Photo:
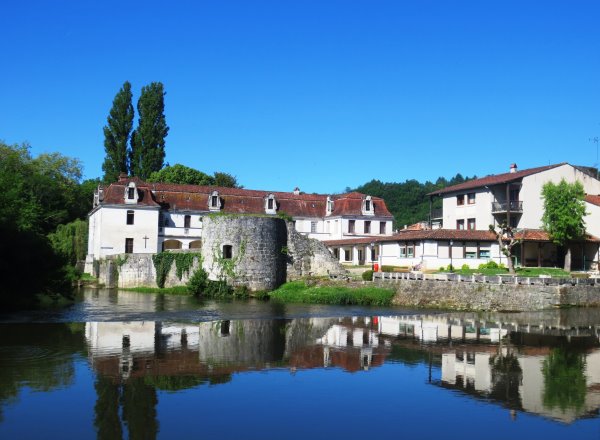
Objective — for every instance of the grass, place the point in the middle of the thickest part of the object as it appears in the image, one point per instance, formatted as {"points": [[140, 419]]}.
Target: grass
{"points": [[522, 272], [299, 292], [177, 290]]}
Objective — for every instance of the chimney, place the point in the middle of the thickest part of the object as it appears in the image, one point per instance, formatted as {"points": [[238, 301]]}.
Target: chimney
{"points": [[296, 191], [513, 167]]}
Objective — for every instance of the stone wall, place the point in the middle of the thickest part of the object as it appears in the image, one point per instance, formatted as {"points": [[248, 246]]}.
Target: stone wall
{"points": [[488, 297], [258, 246], [138, 271], [307, 256]]}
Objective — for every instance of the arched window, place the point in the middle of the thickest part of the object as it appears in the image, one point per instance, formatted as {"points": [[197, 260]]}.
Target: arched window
{"points": [[130, 217], [171, 244], [227, 252]]}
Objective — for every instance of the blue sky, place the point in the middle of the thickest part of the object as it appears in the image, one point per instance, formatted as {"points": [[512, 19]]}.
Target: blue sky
{"points": [[316, 94]]}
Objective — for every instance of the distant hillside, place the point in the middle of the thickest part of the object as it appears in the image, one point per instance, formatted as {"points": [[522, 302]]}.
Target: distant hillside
{"points": [[408, 201]]}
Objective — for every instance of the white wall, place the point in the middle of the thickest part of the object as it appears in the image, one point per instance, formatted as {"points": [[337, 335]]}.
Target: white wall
{"points": [[432, 254], [531, 191], [109, 229], [481, 210], [592, 219]]}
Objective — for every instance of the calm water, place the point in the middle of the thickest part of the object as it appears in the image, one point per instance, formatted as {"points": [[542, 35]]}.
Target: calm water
{"points": [[126, 365]]}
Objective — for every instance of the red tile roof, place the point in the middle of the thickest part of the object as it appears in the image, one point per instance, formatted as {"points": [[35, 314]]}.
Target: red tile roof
{"points": [[494, 179], [239, 200], [115, 193], [540, 235], [594, 200]]}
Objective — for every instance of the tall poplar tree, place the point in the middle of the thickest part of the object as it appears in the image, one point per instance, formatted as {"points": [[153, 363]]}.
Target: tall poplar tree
{"points": [[116, 134], [148, 139]]}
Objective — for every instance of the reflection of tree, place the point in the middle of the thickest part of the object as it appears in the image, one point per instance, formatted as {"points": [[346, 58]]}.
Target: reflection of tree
{"points": [[507, 376], [38, 356], [107, 420], [564, 379], [139, 409]]}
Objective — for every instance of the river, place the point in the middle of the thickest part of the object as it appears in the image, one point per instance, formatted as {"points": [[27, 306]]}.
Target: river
{"points": [[130, 365]]}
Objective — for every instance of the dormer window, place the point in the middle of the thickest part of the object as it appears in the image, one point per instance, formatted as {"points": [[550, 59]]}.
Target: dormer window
{"points": [[270, 204], [368, 206], [131, 193], [329, 205], [214, 201]]}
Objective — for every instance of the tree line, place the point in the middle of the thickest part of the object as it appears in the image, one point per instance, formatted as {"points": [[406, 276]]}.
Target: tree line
{"points": [[408, 201]]}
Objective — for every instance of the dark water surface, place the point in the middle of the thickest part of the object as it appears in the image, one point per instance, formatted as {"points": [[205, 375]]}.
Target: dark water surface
{"points": [[128, 365]]}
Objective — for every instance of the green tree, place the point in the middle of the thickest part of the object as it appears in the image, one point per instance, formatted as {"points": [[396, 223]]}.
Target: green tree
{"points": [[116, 135], [408, 201], [70, 240], [38, 193], [36, 196], [564, 210], [148, 139], [182, 175], [226, 180]]}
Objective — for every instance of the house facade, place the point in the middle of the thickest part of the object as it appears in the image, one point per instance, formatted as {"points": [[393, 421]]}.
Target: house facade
{"points": [[458, 234], [133, 216], [514, 198]]}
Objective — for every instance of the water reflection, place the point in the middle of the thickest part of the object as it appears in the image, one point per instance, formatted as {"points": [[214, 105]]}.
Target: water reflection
{"points": [[554, 372], [544, 367]]}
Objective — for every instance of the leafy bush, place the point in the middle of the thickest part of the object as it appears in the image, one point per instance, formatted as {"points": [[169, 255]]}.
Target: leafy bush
{"points": [[200, 285], [465, 267], [450, 268], [442, 268], [489, 265], [198, 282], [367, 275]]}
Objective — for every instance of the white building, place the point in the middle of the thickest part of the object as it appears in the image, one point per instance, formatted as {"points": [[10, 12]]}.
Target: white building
{"points": [[132, 216], [459, 233], [513, 197]]}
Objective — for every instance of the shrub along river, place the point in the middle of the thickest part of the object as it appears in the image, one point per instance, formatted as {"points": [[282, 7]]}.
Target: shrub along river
{"points": [[131, 365]]}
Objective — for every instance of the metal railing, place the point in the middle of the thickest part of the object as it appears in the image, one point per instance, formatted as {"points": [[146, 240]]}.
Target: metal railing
{"points": [[486, 279]]}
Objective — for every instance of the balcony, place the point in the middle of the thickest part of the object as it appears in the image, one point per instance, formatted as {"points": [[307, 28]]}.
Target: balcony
{"points": [[512, 206]]}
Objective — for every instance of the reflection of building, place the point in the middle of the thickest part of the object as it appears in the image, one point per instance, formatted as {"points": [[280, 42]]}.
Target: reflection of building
{"points": [[516, 379], [124, 350], [434, 328]]}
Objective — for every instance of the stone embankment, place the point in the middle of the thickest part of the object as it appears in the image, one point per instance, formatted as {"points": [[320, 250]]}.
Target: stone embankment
{"points": [[487, 293]]}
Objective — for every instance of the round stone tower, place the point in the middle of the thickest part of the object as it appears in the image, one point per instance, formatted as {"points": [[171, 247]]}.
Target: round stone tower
{"points": [[247, 251]]}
